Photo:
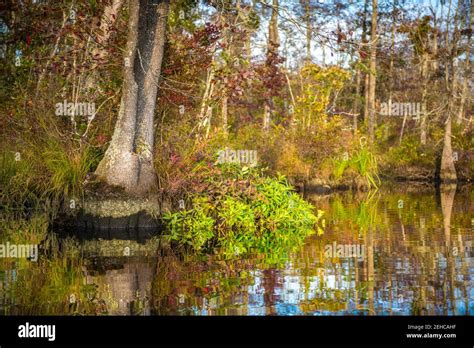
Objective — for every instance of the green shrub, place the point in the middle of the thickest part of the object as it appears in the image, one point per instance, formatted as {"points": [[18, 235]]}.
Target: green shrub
{"points": [[242, 212]]}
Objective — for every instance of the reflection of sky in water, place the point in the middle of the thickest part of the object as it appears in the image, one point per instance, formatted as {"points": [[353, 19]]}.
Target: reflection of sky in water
{"points": [[256, 291], [393, 294], [395, 300]]}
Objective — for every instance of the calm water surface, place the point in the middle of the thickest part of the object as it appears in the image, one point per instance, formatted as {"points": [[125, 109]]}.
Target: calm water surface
{"points": [[398, 251]]}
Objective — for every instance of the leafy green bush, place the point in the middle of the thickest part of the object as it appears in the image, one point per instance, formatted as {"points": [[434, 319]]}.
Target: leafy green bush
{"points": [[242, 212], [192, 227]]}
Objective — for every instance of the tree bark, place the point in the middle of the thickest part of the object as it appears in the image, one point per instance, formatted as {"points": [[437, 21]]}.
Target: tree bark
{"points": [[373, 71], [205, 113], [250, 31], [273, 37], [224, 113], [447, 171], [355, 108], [273, 43], [107, 22], [467, 69], [128, 162], [424, 79], [309, 30], [364, 60]]}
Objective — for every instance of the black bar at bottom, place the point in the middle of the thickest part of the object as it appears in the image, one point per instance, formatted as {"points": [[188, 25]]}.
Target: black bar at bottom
{"points": [[243, 331]]}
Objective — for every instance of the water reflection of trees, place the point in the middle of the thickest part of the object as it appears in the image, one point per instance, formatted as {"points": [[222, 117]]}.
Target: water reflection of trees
{"points": [[411, 264], [416, 262]]}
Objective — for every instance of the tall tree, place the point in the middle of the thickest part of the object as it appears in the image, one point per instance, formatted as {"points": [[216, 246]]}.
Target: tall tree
{"points": [[365, 61], [467, 65], [272, 50], [373, 70], [448, 170], [128, 161], [309, 28]]}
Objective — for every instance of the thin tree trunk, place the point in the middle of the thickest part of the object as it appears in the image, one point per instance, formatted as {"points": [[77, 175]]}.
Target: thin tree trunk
{"points": [[355, 108], [293, 101], [373, 71], [273, 43], [403, 128], [250, 31], [207, 94], [392, 54], [99, 50], [424, 79], [366, 75], [467, 69], [206, 109], [366, 98], [266, 116], [54, 50], [309, 30], [224, 113]]}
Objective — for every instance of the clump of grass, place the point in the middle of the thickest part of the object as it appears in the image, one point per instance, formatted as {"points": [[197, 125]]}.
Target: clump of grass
{"points": [[66, 168], [16, 181], [45, 170], [362, 163], [365, 162]]}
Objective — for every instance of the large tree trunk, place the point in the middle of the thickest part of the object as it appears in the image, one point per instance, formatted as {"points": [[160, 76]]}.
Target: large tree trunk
{"points": [[128, 162], [448, 170], [373, 68]]}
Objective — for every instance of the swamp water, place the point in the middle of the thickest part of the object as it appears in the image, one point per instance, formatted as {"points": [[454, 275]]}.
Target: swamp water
{"points": [[400, 250]]}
